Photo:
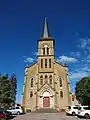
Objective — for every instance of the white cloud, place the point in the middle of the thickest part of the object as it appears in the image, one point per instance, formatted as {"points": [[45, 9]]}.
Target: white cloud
{"points": [[86, 68], [86, 59], [78, 75], [35, 53], [81, 68], [66, 59], [77, 54], [85, 44], [28, 60]]}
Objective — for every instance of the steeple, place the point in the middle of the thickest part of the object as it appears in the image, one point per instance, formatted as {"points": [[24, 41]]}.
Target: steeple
{"points": [[45, 34]]}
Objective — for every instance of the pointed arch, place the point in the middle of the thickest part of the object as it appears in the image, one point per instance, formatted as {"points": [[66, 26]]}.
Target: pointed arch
{"points": [[46, 90]]}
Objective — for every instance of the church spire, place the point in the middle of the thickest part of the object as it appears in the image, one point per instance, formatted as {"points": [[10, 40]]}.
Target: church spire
{"points": [[45, 30]]}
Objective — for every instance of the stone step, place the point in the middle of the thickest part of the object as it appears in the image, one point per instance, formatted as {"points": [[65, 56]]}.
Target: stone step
{"points": [[46, 110]]}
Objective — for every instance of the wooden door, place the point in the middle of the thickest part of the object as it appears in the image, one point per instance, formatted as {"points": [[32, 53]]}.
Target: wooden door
{"points": [[46, 102]]}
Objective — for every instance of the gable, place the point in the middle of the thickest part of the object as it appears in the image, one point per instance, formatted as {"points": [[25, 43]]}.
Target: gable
{"points": [[46, 87]]}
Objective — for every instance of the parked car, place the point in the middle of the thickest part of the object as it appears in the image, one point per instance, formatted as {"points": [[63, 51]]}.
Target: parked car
{"points": [[7, 113], [16, 110], [72, 110], [84, 111], [2, 116]]}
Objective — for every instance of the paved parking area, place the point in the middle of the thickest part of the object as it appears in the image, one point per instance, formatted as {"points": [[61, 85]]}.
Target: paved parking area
{"points": [[46, 116]]}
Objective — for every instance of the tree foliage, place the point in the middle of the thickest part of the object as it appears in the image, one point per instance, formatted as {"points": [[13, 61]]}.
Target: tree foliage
{"points": [[7, 90], [82, 91], [13, 81]]}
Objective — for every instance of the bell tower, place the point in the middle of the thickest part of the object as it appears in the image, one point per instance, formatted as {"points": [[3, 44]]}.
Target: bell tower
{"points": [[45, 50]]}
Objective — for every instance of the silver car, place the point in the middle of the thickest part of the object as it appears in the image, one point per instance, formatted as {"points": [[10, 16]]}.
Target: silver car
{"points": [[16, 110]]}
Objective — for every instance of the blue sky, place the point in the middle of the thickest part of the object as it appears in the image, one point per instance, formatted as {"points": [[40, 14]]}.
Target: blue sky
{"points": [[21, 24]]}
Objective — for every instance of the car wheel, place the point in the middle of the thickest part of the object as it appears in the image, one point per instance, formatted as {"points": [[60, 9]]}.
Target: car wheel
{"points": [[73, 113], [67, 114], [18, 113], [87, 116]]}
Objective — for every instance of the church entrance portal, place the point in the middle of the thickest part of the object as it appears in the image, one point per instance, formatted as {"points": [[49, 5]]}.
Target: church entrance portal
{"points": [[46, 99], [46, 102]]}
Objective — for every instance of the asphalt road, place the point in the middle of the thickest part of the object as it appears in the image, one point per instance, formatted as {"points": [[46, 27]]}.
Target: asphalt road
{"points": [[46, 116]]}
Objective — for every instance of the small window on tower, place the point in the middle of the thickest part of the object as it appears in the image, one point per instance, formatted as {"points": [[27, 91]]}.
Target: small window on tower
{"points": [[45, 63], [46, 78], [50, 79], [31, 94], [49, 63], [61, 94], [60, 82], [41, 63], [47, 51], [41, 80], [44, 51], [32, 82]]}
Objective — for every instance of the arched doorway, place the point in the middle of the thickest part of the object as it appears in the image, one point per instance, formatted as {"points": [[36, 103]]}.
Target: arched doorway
{"points": [[46, 99]]}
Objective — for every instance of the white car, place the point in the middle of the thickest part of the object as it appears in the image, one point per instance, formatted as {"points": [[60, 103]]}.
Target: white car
{"points": [[16, 110], [84, 111], [72, 110]]}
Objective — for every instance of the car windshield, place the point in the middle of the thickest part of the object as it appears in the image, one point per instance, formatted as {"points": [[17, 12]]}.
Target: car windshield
{"points": [[10, 108], [75, 107], [79, 108]]}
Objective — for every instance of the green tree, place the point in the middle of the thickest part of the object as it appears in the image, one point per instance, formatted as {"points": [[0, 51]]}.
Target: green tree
{"points": [[8, 88], [5, 91], [13, 81], [82, 91]]}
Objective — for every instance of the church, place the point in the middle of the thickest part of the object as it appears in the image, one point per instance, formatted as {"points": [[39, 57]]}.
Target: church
{"points": [[46, 83]]}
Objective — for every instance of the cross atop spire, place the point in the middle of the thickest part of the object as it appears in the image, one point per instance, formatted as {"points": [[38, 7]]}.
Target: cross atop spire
{"points": [[45, 30]]}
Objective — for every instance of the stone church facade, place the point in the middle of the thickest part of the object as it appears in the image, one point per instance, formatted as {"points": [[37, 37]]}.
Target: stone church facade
{"points": [[46, 83]]}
